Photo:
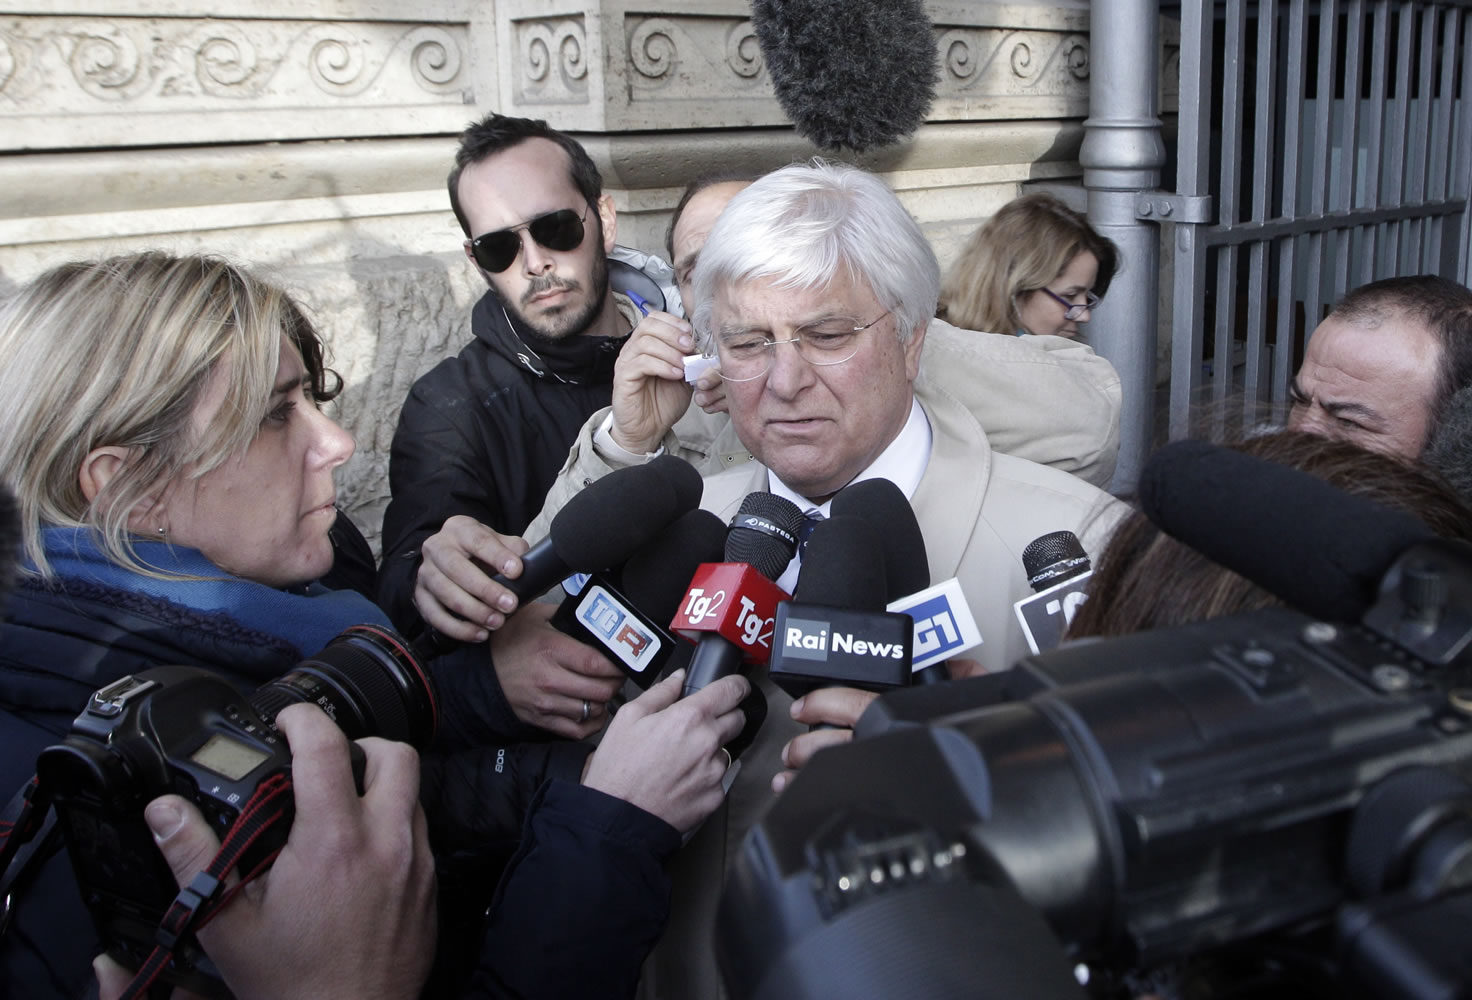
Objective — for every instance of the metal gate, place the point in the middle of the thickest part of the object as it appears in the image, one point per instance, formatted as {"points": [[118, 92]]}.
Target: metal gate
{"points": [[1335, 143]]}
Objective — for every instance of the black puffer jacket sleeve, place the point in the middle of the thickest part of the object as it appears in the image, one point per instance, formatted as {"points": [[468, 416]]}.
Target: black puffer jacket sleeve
{"points": [[582, 903], [477, 799], [437, 470], [473, 710]]}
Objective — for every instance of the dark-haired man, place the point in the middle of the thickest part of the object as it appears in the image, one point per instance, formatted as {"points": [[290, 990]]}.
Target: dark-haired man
{"points": [[1382, 368], [482, 435]]}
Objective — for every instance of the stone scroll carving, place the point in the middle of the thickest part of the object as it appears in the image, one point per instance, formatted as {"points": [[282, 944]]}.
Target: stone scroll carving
{"points": [[695, 58], [1003, 62], [551, 60], [162, 66], [611, 65]]}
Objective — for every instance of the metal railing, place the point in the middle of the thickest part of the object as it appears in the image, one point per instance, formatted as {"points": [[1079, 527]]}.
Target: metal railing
{"points": [[1335, 140]]}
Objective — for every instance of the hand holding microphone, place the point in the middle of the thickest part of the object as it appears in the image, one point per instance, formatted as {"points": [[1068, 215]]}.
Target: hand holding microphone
{"points": [[625, 614], [664, 753], [598, 528]]}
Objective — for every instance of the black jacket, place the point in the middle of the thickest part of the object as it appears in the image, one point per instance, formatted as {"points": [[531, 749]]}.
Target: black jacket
{"points": [[486, 432], [56, 648]]}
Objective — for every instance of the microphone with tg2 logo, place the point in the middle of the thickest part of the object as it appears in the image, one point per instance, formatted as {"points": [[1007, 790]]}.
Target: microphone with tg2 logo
{"points": [[729, 607]]}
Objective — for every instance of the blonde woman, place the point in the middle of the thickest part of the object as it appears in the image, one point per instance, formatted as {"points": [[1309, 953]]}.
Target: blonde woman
{"points": [[1036, 267], [159, 425]]}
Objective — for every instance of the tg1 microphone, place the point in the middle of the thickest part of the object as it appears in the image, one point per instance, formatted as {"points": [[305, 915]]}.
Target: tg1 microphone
{"points": [[835, 631], [1058, 570], [729, 607]]}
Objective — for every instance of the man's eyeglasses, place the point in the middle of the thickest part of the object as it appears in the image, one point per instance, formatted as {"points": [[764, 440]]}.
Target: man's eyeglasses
{"points": [[747, 354], [1073, 311], [561, 230]]}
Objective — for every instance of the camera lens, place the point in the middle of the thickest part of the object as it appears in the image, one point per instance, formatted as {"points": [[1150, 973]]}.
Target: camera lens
{"points": [[367, 681]]}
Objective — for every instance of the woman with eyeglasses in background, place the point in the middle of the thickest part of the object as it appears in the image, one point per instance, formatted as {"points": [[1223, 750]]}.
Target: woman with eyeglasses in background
{"points": [[1036, 267]]}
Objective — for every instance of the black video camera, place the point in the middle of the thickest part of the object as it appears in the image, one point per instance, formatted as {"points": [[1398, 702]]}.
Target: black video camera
{"points": [[1261, 805], [186, 731]]}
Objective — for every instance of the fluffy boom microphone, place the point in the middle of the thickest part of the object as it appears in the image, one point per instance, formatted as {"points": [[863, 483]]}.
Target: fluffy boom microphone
{"points": [[1315, 547], [853, 74]]}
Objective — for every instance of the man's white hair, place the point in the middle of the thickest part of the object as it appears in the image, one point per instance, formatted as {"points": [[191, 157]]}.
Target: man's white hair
{"points": [[799, 225]]}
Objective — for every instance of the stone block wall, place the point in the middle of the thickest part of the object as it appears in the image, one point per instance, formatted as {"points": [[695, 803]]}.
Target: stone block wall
{"points": [[311, 138]]}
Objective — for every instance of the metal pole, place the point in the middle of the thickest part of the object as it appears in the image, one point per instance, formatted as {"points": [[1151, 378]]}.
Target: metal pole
{"points": [[1122, 155]]}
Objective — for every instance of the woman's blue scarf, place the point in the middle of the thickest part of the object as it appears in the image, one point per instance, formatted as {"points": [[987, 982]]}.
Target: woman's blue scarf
{"points": [[308, 619]]}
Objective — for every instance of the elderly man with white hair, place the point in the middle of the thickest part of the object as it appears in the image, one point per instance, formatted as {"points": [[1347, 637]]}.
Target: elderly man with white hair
{"points": [[816, 289]]}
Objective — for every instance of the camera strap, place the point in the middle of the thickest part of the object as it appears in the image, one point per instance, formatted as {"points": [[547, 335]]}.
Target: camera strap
{"points": [[28, 837], [205, 895]]}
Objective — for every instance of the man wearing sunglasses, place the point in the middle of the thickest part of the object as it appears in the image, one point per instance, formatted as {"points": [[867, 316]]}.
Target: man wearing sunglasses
{"points": [[816, 291], [482, 435]]}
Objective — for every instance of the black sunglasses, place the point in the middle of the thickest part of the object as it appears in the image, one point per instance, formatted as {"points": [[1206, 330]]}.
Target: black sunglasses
{"points": [[561, 230]]}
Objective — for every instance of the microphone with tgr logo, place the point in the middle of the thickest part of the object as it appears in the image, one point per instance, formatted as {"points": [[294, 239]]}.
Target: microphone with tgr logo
{"points": [[1058, 570], [729, 606], [625, 619]]}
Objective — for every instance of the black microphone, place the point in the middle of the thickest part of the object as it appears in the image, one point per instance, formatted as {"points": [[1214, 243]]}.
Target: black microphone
{"points": [[627, 618], [608, 521], [1058, 570], [906, 566], [849, 73], [1053, 558], [835, 631], [733, 603], [1315, 547], [884, 505], [599, 527]]}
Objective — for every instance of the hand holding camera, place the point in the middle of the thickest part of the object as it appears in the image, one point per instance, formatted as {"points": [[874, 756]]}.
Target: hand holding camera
{"points": [[347, 910]]}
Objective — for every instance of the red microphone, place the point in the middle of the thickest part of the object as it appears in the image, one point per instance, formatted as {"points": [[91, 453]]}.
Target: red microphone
{"points": [[730, 607], [734, 601]]}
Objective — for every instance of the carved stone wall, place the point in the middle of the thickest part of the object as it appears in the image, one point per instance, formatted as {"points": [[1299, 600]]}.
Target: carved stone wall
{"points": [[311, 138]]}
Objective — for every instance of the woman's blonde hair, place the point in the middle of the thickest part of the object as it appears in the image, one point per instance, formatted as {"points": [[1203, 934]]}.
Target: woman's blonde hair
{"points": [[117, 353], [1024, 246]]}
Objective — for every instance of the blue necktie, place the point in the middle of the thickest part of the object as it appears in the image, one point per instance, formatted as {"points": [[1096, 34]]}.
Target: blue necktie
{"points": [[810, 520]]}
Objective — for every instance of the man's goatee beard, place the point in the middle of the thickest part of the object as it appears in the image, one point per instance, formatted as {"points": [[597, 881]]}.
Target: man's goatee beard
{"points": [[565, 324]]}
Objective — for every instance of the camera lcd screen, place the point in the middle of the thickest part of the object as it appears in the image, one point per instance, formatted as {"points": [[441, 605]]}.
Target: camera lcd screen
{"points": [[227, 757]]}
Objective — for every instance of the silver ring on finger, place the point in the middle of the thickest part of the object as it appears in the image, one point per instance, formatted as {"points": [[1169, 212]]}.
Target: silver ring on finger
{"points": [[587, 711]]}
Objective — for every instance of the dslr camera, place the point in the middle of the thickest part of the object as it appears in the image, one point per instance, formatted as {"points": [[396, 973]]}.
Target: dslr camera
{"points": [[186, 731]]}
